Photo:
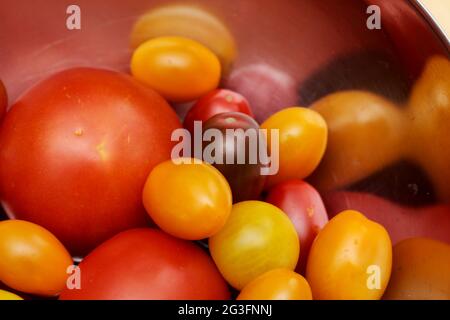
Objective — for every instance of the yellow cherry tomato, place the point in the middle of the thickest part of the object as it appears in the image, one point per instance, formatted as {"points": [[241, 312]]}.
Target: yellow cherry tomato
{"points": [[351, 258], [187, 200], [5, 295], [178, 68], [420, 271], [32, 260], [278, 284], [257, 238], [302, 142]]}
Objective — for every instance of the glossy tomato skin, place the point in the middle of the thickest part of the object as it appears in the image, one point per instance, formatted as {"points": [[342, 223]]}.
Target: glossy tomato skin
{"points": [[277, 284], [304, 206], [257, 238], [420, 270], [75, 152], [3, 100], [215, 102], [350, 259], [190, 201], [245, 179], [32, 259], [149, 264]]}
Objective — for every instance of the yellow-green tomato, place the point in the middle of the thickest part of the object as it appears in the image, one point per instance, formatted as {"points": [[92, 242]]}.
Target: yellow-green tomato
{"points": [[180, 69], [5, 295], [350, 258], [258, 237]]}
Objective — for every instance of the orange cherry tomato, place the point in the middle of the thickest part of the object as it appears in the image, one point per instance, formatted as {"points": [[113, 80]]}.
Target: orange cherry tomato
{"points": [[32, 260], [277, 284], [5, 295], [257, 238], [420, 271], [180, 69], [302, 142], [351, 258], [188, 200]]}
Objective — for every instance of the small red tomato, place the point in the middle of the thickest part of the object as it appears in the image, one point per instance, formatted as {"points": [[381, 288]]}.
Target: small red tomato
{"points": [[215, 102], [3, 100], [304, 206]]}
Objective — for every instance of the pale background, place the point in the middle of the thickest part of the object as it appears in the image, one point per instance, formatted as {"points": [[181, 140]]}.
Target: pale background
{"points": [[440, 9]]}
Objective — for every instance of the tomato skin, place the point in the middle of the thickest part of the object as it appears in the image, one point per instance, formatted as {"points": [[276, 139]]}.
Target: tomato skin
{"points": [[180, 69], [32, 260], [146, 264], [245, 179], [420, 271], [5, 295], [340, 257], [3, 100], [75, 152], [201, 205], [213, 103], [304, 206], [257, 238], [277, 284], [302, 142]]}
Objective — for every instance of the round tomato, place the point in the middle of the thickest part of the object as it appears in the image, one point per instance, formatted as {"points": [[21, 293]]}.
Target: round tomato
{"points": [[277, 284], [351, 259], [5, 295], [148, 264], [420, 271], [32, 260], [75, 152], [187, 200], [215, 102], [257, 238], [3, 100], [244, 171], [303, 205], [302, 142], [178, 68]]}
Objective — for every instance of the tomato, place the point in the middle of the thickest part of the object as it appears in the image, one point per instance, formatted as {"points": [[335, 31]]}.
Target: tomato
{"points": [[350, 259], [215, 102], [5, 295], [257, 238], [420, 271], [189, 201], [3, 100], [178, 68], [302, 142], [32, 260], [277, 284], [75, 152], [304, 206], [243, 172], [148, 264]]}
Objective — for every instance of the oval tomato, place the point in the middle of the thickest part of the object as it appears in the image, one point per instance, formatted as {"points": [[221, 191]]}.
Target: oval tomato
{"points": [[178, 68], [148, 264], [3, 100], [191, 201], [257, 238], [304, 206], [420, 271], [239, 160], [75, 152], [302, 142], [277, 284], [351, 258], [32, 260], [215, 102]]}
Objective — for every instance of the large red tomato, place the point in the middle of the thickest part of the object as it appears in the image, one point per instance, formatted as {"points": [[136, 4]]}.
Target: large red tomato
{"points": [[75, 152], [148, 264], [3, 100]]}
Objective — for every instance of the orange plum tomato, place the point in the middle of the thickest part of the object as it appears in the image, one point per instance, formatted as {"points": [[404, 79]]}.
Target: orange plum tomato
{"points": [[304, 206], [257, 238], [188, 200], [32, 260], [350, 259], [148, 264], [180, 69], [302, 142], [277, 284]]}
